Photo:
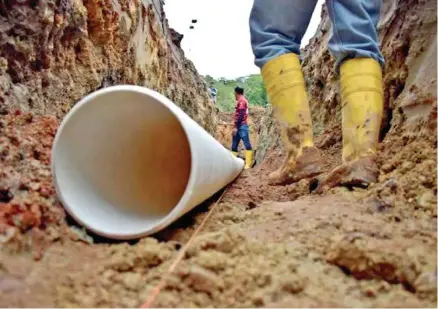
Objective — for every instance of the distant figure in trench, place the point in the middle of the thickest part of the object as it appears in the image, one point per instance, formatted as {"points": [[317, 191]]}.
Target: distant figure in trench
{"points": [[241, 129], [277, 28], [213, 93]]}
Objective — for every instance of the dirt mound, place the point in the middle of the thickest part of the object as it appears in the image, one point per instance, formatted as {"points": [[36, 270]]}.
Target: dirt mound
{"points": [[315, 252]]}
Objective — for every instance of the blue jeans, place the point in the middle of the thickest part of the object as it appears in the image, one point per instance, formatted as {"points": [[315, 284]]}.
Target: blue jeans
{"points": [[242, 134], [277, 27]]}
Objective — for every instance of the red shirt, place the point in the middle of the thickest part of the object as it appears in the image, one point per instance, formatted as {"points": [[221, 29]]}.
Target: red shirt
{"points": [[242, 111]]}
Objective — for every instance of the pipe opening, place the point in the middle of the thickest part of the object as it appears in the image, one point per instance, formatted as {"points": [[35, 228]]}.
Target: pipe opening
{"points": [[122, 163]]}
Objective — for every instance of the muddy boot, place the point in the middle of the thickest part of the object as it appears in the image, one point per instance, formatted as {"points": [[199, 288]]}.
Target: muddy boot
{"points": [[358, 173], [362, 108], [308, 164], [284, 83]]}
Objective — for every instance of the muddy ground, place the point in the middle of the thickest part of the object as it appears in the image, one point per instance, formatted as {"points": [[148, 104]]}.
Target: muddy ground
{"points": [[263, 246]]}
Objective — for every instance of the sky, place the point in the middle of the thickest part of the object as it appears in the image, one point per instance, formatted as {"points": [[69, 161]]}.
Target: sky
{"points": [[219, 45]]}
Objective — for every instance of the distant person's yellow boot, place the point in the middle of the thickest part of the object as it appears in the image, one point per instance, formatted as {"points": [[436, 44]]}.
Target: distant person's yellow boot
{"points": [[362, 109], [248, 159], [284, 84]]}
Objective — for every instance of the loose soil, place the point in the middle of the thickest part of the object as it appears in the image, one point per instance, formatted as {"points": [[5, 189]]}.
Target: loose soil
{"points": [[263, 246]]}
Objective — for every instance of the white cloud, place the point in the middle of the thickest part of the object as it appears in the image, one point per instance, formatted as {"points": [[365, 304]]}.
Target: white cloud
{"points": [[220, 43]]}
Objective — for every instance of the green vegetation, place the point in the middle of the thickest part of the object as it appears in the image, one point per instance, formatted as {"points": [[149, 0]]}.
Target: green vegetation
{"points": [[255, 91]]}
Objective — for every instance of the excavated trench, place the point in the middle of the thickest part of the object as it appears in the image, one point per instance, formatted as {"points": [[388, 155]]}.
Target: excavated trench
{"points": [[263, 246]]}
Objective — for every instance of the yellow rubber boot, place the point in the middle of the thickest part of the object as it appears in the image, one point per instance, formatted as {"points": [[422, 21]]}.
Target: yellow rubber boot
{"points": [[235, 153], [284, 84], [362, 101], [362, 109], [248, 158]]}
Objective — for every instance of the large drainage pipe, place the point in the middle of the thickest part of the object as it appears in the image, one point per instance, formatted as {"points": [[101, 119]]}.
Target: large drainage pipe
{"points": [[127, 162]]}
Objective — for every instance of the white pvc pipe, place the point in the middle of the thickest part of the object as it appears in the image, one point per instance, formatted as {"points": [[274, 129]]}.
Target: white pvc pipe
{"points": [[127, 162]]}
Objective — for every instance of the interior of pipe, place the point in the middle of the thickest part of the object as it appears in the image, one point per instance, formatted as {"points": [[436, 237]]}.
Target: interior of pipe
{"points": [[122, 163]]}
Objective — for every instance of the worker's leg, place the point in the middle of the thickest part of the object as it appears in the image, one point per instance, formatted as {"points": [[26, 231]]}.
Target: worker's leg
{"points": [[244, 135], [354, 29], [277, 27], [354, 43], [235, 144]]}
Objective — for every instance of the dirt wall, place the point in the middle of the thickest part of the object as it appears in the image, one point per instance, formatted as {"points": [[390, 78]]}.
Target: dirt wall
{"points": [[52, 53]]}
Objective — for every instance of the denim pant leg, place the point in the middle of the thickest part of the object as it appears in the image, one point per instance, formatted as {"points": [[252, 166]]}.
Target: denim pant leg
{"points": [[235, 142], [354, 29], [244, 135], [277, 27]]}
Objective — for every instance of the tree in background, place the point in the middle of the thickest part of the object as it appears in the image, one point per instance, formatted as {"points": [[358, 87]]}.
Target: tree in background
{"points": [[255, 91]]}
